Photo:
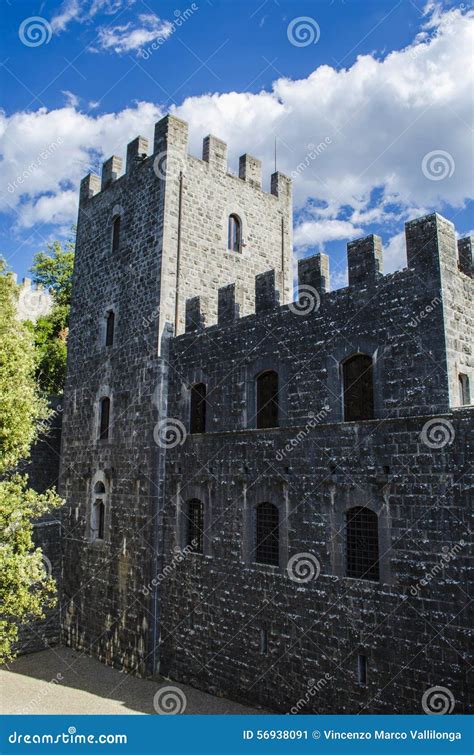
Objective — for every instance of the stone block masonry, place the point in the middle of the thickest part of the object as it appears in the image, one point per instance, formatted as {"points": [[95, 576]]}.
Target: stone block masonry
{"points": [[195, 265]]}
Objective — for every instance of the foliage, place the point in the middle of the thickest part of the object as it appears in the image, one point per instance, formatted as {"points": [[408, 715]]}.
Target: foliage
{"points": [[53, 270], [20, 406], [25, 588], [26, 585]]}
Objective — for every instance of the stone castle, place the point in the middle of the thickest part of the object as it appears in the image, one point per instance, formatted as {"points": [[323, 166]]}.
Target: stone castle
{"points": [[265, 498]]}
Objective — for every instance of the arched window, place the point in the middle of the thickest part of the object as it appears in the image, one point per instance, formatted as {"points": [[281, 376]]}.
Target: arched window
{"points": [[267, 534], [362, 543], [195, 525], [115, 233], [109, 327], [357, 374], [267, 399], [104, 418], [464, 390], [98, 512], [198, 409], [234, 242]]}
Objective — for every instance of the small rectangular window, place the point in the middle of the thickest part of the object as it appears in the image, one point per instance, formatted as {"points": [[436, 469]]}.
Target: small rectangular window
{"points": [[362, 669], [104, 418], [116, 233], [464, 390], [109, 330], [263, 641], [198, 409]]}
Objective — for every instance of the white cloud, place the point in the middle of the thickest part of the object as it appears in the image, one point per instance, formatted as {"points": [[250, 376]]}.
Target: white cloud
{"points": [[84, 10], [132, 36], [317, 232], [72, 100], [382, 117]]}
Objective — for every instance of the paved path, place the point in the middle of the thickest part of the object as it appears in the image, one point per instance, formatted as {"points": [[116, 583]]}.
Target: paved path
{"points": [[63, 681]]}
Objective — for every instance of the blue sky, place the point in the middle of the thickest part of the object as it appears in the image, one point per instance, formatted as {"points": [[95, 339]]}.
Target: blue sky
{"points": [[373, 98]]}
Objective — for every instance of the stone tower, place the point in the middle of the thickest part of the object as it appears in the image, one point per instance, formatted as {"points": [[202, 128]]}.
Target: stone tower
{"points": [[147, 241]]}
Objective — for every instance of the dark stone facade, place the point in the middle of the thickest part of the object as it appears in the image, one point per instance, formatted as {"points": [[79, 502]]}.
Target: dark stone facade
{"points": [[137, 597]]}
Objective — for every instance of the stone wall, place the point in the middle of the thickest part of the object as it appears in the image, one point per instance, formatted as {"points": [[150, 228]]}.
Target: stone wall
{"points": [[412, 465], [145, 281]]}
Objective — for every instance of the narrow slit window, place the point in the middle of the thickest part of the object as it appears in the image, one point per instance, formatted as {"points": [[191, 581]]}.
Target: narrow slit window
{"points": [[362, 669], [267, 535], [98, 512], [104, 418], [115, 233], [263, 641], [267, 399], [358, 388], [109, 328], [195, 525], [234, 241], [198, 408], [464, 390]]}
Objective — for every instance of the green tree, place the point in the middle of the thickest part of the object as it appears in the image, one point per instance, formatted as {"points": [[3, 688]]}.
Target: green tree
{"points": [[26, 587], [21, 409], [53, 269]]}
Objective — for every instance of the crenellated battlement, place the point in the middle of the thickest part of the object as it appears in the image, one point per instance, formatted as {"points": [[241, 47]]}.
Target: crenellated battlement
{"points": [[430, 244], [169, 157]]}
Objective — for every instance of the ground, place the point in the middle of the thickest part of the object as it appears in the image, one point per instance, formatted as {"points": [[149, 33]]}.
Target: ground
{"points": [[62, 681]]}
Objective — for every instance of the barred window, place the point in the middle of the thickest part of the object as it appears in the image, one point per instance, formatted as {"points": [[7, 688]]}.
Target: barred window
{"points": [[115, 233], [362, 543], [267, 535], [195, 525], [104, 418], [234, 241], [109, 328], [357, 374], [267, 399], [198, 408]]}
